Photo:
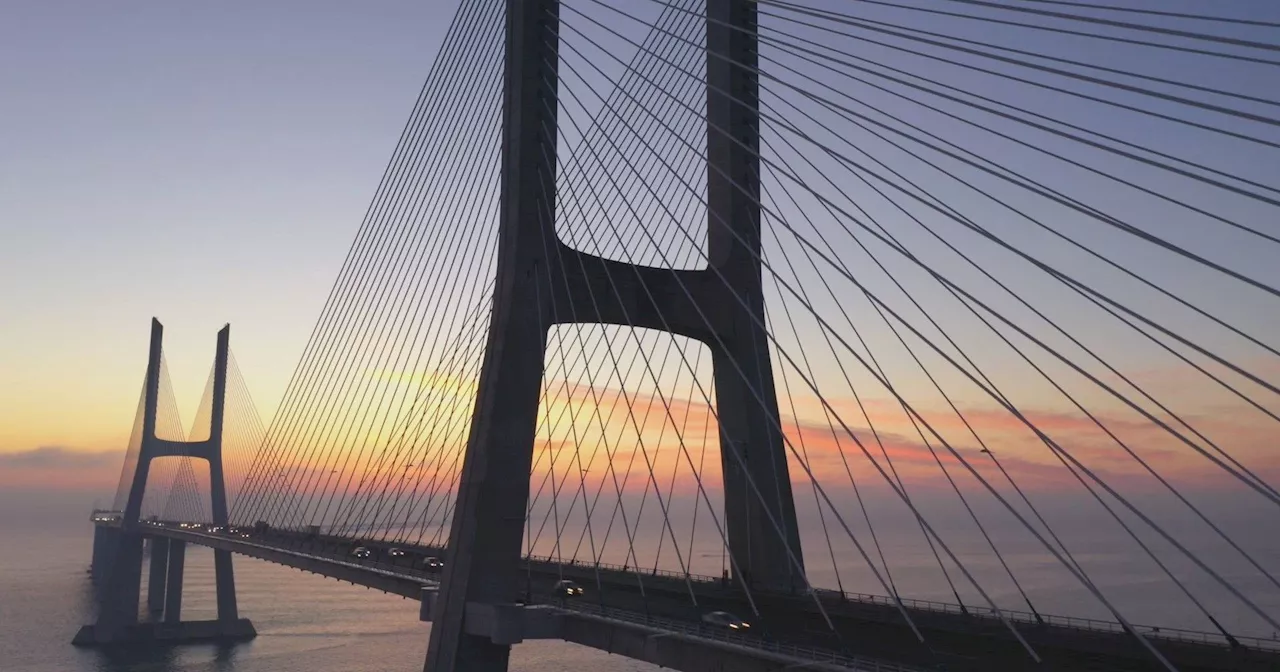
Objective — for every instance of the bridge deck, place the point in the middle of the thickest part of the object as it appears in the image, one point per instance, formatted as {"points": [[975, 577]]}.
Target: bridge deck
{"points": [[867, 629]]}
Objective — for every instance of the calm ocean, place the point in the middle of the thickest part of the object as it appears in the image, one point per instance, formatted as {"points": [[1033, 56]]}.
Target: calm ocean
{"points": [[311, 624], [305, 623]]}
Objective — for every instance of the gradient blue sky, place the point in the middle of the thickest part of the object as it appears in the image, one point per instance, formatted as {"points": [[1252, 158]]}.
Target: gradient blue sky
{"points": [[211, 163], [203, 163]]}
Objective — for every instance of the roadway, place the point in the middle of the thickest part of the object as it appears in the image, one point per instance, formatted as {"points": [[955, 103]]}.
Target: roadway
{"points": [[863, 628]]}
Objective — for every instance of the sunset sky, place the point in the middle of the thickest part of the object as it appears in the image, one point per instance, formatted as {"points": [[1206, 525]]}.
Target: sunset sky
{"points": [[208, 166], [200, 165]]}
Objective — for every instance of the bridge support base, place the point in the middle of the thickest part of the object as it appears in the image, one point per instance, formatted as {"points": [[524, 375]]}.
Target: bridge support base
{"points": [[139, 634], [118, 549]]}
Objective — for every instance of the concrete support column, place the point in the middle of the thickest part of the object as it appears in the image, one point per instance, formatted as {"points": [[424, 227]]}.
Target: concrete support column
{"points": [[226, 586], [99, 560], [759, 510], [121, 593], [157, 577], [488, 523], [173, 583]]}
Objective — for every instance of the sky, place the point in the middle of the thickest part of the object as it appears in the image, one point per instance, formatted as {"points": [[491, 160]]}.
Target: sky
{"points": [[203, 164], [210, 165]]}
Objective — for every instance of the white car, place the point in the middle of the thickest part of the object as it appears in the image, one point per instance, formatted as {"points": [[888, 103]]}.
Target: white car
{"points": [[725, 619], [395, 553], [360, 552], [432, 562]]}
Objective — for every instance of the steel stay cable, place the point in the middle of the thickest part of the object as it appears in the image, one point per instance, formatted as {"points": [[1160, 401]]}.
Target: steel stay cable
{"points": [[751, 481], [1211, 107], [791, 52], [1031, 426], [362, 234], [1042, 191], [996, 112], [804, 452], [463, 352], [257, 429], [962, 353], [633, 359], [455, 357], [1067, 279], [1021, 418], [396, 273], [1153, 12], [668, 348], [631, 365], [396, 166], [982, 231], [1070, 337], [609, 351], [439, 310], [430, 290], [1110, 38], [622, 391], [1048, 269], [782, 351], [1141, 27], [861, 407], [860, 21], [420, 171], [1062, 277], [472, 360], [935, 82], [671, 485], [1001, 242], [965, 501], [961, 566]]}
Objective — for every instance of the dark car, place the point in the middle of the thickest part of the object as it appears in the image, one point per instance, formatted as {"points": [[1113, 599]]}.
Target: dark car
{"points": [[725, 619], [567, 589]]}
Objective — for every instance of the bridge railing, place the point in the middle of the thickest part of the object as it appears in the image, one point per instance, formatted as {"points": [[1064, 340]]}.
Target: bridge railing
{"points": [[807, 653], [1021, 617], [1073, 622]]}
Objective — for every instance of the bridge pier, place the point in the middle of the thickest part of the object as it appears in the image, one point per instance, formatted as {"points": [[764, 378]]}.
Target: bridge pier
{"points": [[105, 540], [121, 583], [156, 588], [541, 282], [173, 584]]}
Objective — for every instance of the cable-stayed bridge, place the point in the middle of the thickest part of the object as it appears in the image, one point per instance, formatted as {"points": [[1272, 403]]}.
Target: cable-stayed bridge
{"points": [[886, 334]]}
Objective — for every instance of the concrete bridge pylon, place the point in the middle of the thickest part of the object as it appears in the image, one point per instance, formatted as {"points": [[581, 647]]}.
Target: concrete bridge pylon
{"points": [[118, 549]]}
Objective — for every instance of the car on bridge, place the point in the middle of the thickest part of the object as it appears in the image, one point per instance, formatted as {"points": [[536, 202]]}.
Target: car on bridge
{"points": [[725, 619], [433, 563], [361, 552], [567, 589], [395, 553]]}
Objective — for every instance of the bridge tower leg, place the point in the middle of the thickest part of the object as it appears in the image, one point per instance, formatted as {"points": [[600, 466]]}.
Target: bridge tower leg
{"points": [[760, 514], [541, 282], [118, 620], [173, 581], [156, 587]]}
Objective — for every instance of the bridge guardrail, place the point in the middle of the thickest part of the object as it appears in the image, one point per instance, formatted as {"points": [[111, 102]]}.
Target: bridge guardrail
{"points": [[1017, 616], [803, 652]]}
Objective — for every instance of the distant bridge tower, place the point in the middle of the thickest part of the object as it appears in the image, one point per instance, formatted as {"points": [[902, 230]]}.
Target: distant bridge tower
{"points": [[722, 306], [119, 550]]}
